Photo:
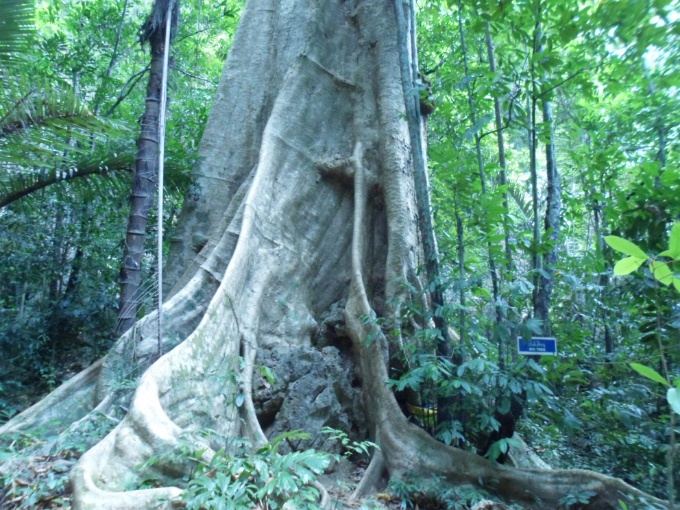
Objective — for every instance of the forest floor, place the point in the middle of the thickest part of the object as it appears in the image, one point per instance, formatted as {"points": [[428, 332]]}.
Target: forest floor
{"points": [[42, 483]]}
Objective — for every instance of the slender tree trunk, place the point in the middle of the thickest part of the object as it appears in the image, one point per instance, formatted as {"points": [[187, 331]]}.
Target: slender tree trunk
{"points": [[508, 421], [482, 175], [603, 278], [462, 278], [533, 176], [502, 175], [409, 75], [503, 181], [143, 189], [551, 225], [553, 209]]}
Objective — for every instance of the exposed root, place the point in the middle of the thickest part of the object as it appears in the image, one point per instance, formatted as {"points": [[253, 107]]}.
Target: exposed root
{"points": [[325, 501], [408, 450], [369, 482], [54, 413]]}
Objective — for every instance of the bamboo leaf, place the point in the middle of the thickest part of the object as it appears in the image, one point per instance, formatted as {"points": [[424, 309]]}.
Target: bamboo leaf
{"points": [[649, 373], [627, 265], [626, 247]]}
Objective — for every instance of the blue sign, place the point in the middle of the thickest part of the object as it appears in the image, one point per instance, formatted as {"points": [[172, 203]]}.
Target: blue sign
{"points": [[537, 345]]}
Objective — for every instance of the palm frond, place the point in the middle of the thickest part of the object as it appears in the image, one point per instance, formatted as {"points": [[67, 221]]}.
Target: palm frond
{"points": [[91, 173], [156, 20], [16, 28], [50, 128], [16, 185], [522, 201]]}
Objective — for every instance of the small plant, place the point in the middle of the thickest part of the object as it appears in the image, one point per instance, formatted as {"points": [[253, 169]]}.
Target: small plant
{"points": [[349, 447], [434, 493], [264, 479], [403, 489], [578, 498], [34, 481]]}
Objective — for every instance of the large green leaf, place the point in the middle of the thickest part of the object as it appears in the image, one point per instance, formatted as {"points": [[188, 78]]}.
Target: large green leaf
{"points": [[649, 373], [626, 247], [662, 272], [627, 265], [673, 399], [673, 250]]}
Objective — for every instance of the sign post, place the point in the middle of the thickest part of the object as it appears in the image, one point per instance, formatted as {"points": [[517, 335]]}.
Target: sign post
{"points": [[537, 346]]}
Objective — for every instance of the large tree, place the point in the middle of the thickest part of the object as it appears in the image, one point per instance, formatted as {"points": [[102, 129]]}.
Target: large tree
{"points": [[301, 228]]}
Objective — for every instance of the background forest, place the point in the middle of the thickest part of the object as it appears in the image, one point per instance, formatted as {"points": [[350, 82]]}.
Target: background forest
{"points": [[552, 124]]}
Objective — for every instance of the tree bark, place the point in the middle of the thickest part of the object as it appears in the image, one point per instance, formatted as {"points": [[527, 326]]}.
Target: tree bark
{"points": [[553, 211], [307, 203], [502, 175], [553, 208], [143, 188]]}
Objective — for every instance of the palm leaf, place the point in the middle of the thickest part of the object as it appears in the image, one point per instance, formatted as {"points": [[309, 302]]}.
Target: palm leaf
{"points": [[523, 203], [87, 175], [16, 27]]}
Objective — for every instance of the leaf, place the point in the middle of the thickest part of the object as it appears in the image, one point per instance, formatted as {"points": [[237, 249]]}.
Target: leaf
{"points": [[673, 399], [16, 27], [676, 283], [240, 398], [627, 265], [649, 373], [626, 247], [662, 272], [674, 242]]}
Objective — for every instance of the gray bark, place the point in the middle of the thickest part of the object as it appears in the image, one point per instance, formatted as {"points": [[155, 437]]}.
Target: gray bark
{"points": [[502, 175], [553, 207]]}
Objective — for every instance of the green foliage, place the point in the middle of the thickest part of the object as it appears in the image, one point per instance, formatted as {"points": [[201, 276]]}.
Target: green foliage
{"points": [[416, 492], [662, 271], [350, 448], [239, 476], [39, 480], [57, 293], [242, 479], [673, 398], [578, 498], [649, 373], [479, 391], [69, 110], [15, 29]]}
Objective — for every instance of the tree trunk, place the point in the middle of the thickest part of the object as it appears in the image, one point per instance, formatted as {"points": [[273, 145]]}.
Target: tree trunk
{"points": [[143, 188], [303, 216], [553, 207], [553, 210], [502, 175], [493, 273]]}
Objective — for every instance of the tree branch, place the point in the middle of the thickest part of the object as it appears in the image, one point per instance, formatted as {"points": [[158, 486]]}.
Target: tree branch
{"points": [[185, 73], [436, 67], [136, 77], [509, 118], [568, 78]]}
